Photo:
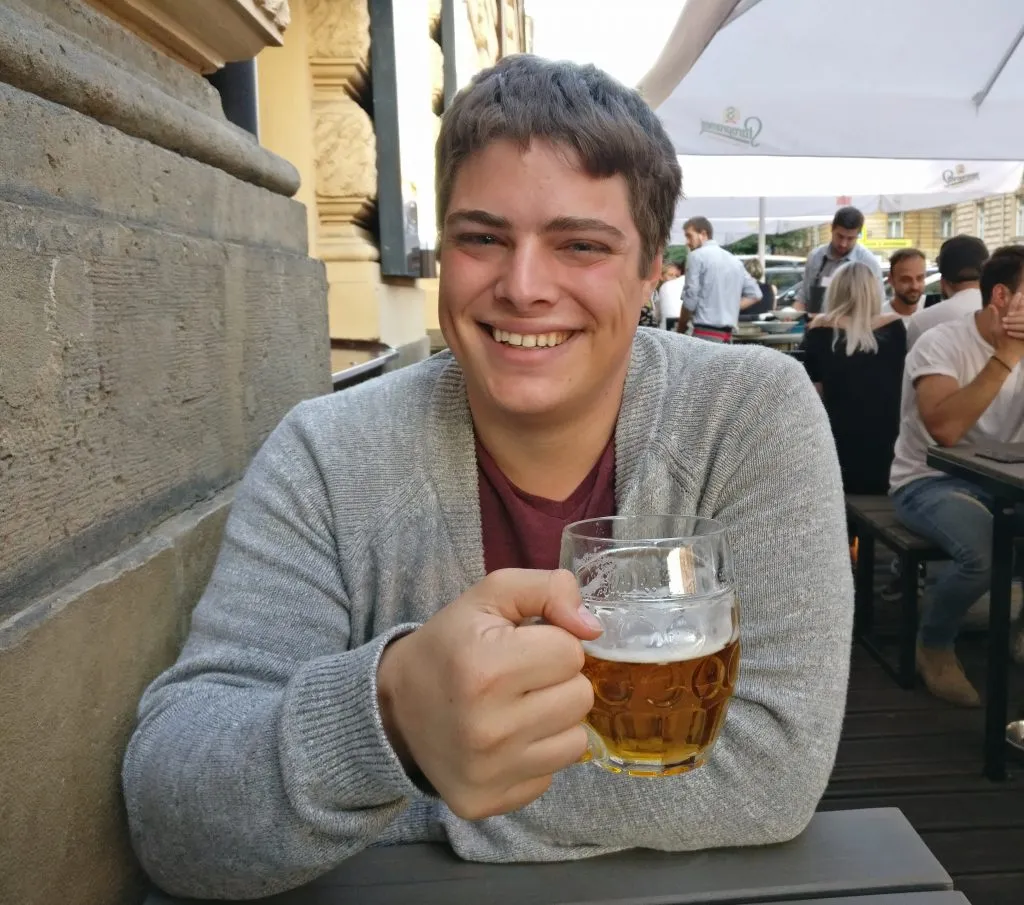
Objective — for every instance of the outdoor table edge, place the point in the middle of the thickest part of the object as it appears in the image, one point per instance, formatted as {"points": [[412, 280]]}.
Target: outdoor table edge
{"points": [[965, 463], [926, 873]]}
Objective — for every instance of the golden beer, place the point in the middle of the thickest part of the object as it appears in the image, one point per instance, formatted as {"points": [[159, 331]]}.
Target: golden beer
{"points": [[658, 715]]}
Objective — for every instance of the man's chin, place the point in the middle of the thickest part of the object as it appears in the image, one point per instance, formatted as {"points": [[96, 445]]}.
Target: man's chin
{"points": [[524, 398]]}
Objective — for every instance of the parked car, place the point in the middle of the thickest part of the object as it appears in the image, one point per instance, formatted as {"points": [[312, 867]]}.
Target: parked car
{"points": [[783, 276], [787, 297]]}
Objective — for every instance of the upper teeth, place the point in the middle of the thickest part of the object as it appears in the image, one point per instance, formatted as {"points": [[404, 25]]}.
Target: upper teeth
{"points": [[530, 340]]}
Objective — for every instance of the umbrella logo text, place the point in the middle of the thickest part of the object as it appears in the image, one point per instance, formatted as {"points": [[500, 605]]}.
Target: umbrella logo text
{"points": [[731, 129], [958, 176]]}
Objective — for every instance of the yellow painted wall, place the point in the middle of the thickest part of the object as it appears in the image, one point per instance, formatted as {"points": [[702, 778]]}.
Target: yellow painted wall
{"points": [[285, 108], [429, 288]]}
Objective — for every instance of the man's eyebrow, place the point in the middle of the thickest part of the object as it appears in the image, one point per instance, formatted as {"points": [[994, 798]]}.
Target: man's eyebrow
{"points": [[558, 225], [479, 217], [583, 224]]}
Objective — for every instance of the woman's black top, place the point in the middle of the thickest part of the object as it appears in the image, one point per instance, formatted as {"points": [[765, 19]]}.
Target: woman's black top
{"points": [[861, 393]]}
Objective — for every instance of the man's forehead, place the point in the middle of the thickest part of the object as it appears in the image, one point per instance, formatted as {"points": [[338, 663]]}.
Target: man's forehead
{"points": [[554, 165], [911, 264]]}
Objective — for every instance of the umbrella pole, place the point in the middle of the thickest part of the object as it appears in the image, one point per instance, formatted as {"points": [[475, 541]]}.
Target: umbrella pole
{"points": [[762, 204]]}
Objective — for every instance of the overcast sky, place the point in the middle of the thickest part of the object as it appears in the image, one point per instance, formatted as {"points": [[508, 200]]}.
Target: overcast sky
{"points": [[623, 37]]}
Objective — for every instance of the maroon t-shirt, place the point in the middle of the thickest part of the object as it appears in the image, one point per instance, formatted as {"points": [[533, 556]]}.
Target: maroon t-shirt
{"points": [[523, 531]]}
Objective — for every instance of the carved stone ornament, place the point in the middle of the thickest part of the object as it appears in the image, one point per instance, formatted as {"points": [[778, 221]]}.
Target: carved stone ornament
{"points": [[483, 21], [339, 29], [278, 11], [345, 148]]}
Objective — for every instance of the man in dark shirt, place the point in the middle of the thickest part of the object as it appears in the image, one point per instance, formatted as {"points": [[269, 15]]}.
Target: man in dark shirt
{"points": [[361, 669]]}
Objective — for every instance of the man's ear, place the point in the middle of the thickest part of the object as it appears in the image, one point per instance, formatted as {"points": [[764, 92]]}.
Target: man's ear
{"points": [[657, 265], [1001, 296]]}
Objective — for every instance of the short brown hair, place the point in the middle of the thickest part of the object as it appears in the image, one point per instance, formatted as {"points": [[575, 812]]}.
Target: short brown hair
{"points": [[609, 127], [754, 268], [1004, 268], [848, 218], [700, 225], [904, 254]]}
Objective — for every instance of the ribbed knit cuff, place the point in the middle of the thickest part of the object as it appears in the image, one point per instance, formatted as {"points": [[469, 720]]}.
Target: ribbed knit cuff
{"points": [[334, 752]]}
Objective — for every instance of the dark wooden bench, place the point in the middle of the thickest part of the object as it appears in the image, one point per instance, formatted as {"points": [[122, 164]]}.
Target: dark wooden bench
{"points": [[840, 857], [874, 518]]}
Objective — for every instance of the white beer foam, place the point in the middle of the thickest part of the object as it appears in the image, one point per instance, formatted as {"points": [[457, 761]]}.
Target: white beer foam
{"points": [[674, 654], [662, 630]]}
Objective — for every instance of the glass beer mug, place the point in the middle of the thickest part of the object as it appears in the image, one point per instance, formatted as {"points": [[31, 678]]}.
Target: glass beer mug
{"points": [[665, 667]]}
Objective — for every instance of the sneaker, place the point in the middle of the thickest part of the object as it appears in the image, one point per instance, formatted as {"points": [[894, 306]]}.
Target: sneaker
{"points": [[944, 677]]}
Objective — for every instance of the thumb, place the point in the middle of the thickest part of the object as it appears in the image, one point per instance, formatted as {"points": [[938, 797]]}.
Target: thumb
{"points": [[521, 595]]}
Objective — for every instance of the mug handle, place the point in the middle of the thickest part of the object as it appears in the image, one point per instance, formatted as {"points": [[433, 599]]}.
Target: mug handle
{"points": [[596, 750]]}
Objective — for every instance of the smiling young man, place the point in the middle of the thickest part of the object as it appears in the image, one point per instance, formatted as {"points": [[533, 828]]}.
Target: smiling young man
{"points": [[907, 273], [367, 665]]}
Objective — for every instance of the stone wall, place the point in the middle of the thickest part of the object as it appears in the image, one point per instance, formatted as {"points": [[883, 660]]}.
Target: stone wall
{"points": [[158, 315]]}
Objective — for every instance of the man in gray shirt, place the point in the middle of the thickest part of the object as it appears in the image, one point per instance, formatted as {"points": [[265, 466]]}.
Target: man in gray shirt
{"points": [[825, 260], [717, 286], [359, 673]]}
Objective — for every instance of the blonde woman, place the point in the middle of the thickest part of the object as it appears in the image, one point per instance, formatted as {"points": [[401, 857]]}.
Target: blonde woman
{"points": [[767, 302], [854, 355]]}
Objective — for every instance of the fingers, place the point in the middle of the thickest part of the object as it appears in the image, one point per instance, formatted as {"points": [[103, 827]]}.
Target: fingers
{"points": [[1012, 322], [539, 656], [543, 759], [518, 796], [557, 752], [520, 594], [548, 712]]}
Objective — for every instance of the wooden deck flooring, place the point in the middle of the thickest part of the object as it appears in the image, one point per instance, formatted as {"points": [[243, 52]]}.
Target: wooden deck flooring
{"points": [[906, 749]]}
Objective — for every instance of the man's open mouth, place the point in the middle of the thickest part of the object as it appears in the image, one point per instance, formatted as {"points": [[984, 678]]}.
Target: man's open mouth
{"points": [[530, 340]]}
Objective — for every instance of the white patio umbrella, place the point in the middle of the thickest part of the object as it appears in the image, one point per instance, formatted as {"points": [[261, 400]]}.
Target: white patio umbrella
{"points": [[719, 89], [718, 176], [737, 190], [870, 78]]}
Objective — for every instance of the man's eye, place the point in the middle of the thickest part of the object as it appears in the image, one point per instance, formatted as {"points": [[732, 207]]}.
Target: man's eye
{"points": [[477, 239], [585, 247]]}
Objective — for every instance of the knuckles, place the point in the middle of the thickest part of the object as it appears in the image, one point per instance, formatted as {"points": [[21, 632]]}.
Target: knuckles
{"points": [[474, 674]]}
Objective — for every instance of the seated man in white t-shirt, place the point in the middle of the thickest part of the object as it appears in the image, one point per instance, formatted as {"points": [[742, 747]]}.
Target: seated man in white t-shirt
{"points": [[962, 384], [960, 261]]}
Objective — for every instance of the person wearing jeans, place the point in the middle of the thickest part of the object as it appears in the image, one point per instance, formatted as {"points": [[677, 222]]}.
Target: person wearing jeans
{"points": [[963, 385], [956, 515]]}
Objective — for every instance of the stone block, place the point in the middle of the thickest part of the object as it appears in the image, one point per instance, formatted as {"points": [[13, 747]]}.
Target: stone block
{"points": [[72, 669], [139, 372], [76, 20], [54, 63], [55, 156], [155, 327]]}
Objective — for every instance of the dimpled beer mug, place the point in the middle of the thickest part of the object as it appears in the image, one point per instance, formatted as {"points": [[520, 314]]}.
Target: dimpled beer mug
{"points": [[666, 665]]}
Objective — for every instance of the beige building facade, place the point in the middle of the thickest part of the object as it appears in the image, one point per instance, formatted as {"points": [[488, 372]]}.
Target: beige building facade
{"points": [[317, 110], [997, 220]]}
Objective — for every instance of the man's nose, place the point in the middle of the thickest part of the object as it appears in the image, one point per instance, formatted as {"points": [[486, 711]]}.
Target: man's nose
{"points": [[527, 277]]}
